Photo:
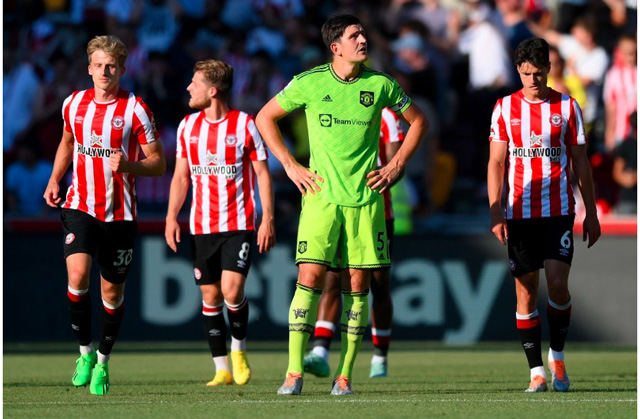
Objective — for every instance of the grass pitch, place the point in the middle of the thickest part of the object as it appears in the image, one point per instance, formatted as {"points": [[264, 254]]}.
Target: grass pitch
{"points": [[426, 380]]}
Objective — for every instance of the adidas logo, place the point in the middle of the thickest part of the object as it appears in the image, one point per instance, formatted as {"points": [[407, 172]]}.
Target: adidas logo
{"points": [[327, 98]]}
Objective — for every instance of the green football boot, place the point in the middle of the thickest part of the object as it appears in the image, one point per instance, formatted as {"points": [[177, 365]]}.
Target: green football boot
{"points": [[100, 380], [84, 366], [316, 365]]}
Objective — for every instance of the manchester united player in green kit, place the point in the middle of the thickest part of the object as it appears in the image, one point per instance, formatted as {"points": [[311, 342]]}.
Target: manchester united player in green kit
{"points": [[342, 222]]}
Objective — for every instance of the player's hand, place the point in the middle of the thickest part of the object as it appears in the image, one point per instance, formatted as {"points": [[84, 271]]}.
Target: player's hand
{"points": [[304, 179], [499, 228], [117, 162], [266, 236], [591, 230], [51, 194], [172, 234], [382, 178]]}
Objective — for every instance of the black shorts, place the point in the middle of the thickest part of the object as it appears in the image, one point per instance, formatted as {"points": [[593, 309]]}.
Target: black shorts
{"points": [[532, 241], [214, 253], [390, 234], [113, 241]]}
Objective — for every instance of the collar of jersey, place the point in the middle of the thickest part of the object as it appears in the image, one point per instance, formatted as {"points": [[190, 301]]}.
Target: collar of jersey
{"points": [[537, 102], [217, 121], [111, 102], [335, 76]]}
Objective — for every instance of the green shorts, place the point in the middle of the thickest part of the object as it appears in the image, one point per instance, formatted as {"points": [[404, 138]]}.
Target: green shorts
{"points": [[338, 236]]}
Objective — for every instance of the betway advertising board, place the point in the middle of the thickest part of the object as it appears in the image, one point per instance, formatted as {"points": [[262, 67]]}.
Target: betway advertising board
{"points": [[453, 289]]}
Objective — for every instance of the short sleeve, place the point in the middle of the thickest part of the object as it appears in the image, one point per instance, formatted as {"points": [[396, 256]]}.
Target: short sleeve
{"points": [[498, 128], [255, 145], [65, 113], [575, 128], [144, 125], [292, 96], [398, 99], [181, 144]]}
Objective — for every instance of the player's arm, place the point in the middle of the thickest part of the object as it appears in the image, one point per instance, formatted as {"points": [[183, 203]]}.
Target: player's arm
{"points": [[177, 196], [391, 149], [582, 169], [381, 179], [63, 159], [267, 123], [495, 184], [266, 231], [153, 164], [609, 125]]}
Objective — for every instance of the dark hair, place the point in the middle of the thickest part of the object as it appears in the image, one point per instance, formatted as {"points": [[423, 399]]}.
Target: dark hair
{"points": [[589, 22], [534, 51], [334, 28]]}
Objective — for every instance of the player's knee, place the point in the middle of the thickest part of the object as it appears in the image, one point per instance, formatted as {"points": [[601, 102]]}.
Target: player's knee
{"points": [[78, 278], [559, 292], [211, 295], [112, 295]]}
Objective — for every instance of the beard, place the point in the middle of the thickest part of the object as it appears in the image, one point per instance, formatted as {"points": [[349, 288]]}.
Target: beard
{"points": [[199, 103]]}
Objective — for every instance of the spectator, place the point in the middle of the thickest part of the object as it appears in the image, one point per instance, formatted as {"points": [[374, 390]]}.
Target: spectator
{"points": [[563, 82], [584, 58], [411, 58], [567, 13], [513, 21], [489, 65], [620, 92], [20, 85], [490, 78], [159, 24], [625, 171], [24, 181]]}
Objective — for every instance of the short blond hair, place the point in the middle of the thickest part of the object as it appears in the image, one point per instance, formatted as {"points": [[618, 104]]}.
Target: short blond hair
{"points": [[218, 73], [111, 45]]}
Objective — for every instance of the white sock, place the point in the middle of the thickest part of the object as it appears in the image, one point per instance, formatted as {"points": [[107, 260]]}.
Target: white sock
{"points": [[538, 371], [103, 359], [322, 352], [556, 356], [238, 345], [87, 349], [221, 363], [377, 359]]}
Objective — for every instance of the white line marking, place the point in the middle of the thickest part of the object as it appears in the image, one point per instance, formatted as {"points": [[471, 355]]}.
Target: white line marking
{"points": [[299, 400]]}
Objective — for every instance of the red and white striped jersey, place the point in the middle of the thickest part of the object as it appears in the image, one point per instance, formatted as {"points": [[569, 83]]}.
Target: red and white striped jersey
{"points": [[390, 132], [219, 154], [98, 128], [539, 135], [620, 88]]}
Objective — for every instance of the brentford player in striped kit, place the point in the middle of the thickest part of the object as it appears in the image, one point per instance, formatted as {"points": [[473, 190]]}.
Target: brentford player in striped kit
{"points": [[539, 134], [221, 151], [110, 137], [317, 361]]}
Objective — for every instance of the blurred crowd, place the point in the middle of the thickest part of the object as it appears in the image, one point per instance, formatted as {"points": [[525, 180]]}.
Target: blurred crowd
{"points": [[454, 58]]}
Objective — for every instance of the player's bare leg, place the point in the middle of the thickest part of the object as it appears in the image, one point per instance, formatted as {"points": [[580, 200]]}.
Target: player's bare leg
{"points": [[529, 328], [558, 316]]}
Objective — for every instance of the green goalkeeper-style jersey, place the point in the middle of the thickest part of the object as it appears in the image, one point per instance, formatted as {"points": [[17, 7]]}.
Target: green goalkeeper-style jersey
{"points": [[343, 119]]}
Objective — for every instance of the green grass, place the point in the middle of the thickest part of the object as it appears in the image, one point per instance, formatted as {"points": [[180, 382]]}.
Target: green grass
{"points": [[426, 380]]}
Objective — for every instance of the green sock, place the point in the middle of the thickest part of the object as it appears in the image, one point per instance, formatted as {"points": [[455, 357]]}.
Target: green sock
{"points": [[355, 316], [302, 319]]}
